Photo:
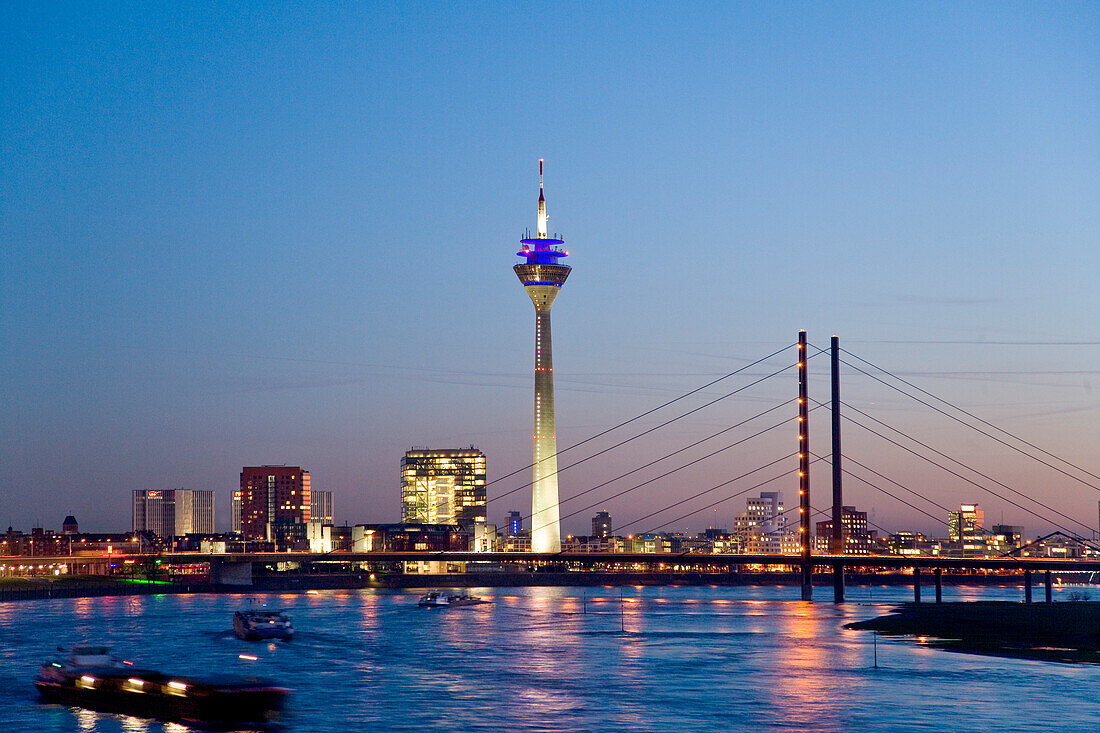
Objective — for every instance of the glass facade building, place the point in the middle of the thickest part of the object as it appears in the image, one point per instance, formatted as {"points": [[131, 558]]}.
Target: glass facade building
{"points": [[443, 486]]}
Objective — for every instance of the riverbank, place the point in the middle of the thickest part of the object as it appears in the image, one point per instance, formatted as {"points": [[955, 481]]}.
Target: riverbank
{"points": [[1066, 632]]}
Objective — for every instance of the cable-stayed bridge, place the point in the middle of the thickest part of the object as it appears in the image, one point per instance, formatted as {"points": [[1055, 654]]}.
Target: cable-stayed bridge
{"points": [[826, 498], [775, 447]]}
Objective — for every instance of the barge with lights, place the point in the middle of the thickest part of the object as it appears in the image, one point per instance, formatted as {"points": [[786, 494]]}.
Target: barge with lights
{"points": [[92, 678], [436, 598]]}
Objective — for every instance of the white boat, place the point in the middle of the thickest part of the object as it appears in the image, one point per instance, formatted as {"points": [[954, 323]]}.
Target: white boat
{"points": [[444, 598]]}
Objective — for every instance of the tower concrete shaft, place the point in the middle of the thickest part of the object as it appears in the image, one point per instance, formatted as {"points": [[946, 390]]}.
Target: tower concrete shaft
{"points": [[542, 278]]}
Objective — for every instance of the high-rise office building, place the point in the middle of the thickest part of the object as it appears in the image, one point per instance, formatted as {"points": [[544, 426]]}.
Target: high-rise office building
{"points": [[514, 525], [542, 277], [601, 525], [321, 507], [443, 486], [153, 512], [967, 524], [967, 527], [235, 511], [173, 512], [272, 499]]}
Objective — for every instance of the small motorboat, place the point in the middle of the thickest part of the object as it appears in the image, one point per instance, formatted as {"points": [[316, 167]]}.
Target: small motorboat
{"points": [[435, 598], [260, 624], [91, 677]]}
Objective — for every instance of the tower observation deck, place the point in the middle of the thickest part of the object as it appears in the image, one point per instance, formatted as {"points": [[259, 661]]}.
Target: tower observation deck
{"points": [[542, 276]]}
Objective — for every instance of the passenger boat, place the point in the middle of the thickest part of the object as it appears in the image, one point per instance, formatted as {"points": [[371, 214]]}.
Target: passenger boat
{"points": [[443, 598], [258, 624], [92, 678]]}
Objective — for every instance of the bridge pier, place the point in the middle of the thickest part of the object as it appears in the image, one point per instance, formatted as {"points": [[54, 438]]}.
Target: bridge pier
{"points": [[224, 572], [838, 582], [916, 585], [1027, 586], [1049, 583], [938, 574]]}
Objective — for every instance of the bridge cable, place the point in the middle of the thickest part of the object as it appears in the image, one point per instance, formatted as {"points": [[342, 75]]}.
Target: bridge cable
{"points": [[975, 417], [966, 466], [639, 417], [720, 501], [857, 477], [687, 447], [715, 488], [663, 475], [672, 471], [958, 475], [639, 435]]}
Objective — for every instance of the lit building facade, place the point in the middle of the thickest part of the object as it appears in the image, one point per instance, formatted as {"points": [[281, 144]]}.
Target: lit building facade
{"points": [[409, 537], [321, 507], [763, 528], [235, 511], [273, 500], [967, 524], [443, 486], [906, 543], [853, 530], [173, 512], [1004, 538], [543, 276], [601, 525], [514, 525]]}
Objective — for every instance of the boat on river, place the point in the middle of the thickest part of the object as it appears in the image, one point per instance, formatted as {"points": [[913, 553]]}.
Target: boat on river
{"points": [[91, 677], [437, 598], [262, 624]]}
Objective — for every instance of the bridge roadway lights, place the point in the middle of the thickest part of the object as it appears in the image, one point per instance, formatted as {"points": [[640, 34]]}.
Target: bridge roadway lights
{"points": [[916, 585], [1027, 586], [1049, 586], [938, 574]]}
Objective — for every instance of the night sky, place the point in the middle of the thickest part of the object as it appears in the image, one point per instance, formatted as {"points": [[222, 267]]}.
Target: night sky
{"points": [[241, 235]]}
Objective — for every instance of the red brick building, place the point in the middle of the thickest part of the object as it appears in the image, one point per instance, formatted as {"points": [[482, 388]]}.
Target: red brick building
{"points": [[273, 499]]}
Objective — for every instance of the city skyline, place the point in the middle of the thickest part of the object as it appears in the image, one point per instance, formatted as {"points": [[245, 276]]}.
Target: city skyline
{"points": [[238, 238]]}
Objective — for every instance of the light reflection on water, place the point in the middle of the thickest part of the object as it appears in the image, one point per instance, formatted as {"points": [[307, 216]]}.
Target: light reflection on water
{"points": [[557, 659]]}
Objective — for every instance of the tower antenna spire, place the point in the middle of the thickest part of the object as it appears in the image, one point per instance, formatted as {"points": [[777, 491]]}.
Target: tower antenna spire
{"points": [[541, 233]]}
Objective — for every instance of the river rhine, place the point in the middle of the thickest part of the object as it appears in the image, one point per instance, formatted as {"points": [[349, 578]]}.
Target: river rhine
{"points": [[560, 659]]}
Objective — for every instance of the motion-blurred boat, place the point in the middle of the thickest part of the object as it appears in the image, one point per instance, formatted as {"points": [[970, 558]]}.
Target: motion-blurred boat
{"points": [[91, 677]]}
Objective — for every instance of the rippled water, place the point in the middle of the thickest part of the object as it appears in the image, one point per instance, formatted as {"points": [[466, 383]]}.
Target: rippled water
{"points": [[576, 659]]}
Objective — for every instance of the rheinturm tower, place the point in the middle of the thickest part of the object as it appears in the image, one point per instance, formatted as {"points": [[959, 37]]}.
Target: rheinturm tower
{"points": [[542, 276]]}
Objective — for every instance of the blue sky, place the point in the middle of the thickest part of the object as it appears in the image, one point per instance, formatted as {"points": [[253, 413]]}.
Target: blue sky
{"points": [[236, 235]]}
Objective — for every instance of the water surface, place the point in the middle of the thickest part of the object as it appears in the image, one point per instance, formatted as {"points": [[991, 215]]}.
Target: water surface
{"points": [[576, 659]]}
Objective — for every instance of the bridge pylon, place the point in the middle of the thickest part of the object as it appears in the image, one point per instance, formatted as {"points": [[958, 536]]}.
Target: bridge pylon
{"points": [[805, 540]]}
